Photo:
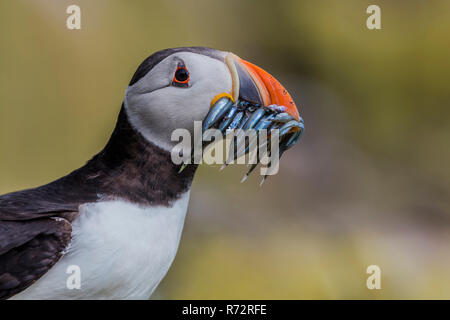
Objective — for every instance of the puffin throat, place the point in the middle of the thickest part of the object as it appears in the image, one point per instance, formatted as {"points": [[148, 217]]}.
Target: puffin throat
{"points": [[134, 169]]}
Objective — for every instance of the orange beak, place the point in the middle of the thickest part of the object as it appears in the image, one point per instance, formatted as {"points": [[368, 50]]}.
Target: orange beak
{"points": [[253, 84]]}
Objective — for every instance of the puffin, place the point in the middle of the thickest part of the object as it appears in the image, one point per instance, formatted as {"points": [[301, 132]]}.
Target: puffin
{"points": [[118, 219]]}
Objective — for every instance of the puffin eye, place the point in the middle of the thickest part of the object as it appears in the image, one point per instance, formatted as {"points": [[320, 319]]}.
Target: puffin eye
{"points": [[181, 76]]}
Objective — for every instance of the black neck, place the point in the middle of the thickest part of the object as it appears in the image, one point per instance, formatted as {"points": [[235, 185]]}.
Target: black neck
{"points": [[131, 168]]}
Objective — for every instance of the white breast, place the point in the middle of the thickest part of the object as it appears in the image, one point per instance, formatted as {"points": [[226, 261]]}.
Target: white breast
{"points": [[123, 252]]}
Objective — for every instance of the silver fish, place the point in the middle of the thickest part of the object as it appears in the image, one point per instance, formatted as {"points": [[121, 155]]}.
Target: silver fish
{"points": [[217, 111]]}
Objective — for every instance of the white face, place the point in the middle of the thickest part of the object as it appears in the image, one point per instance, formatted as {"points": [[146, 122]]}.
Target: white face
{"points": [[156, 108]]}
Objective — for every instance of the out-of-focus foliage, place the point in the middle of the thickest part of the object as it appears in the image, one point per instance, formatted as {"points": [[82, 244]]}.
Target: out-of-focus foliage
{"points": [[368, 184]]}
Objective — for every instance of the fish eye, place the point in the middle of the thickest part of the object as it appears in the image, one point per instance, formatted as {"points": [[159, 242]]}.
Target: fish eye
{"points": [[181, 76]]}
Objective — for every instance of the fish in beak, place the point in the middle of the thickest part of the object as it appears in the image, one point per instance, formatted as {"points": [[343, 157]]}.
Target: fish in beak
{"points": [[258, 101]]}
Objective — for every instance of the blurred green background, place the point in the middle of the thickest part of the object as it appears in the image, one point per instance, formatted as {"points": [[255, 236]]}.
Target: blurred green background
{"points": [[368, 184]]}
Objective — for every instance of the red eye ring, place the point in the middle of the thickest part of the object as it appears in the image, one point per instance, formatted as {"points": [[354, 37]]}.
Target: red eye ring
{"points": [[181, 76]]}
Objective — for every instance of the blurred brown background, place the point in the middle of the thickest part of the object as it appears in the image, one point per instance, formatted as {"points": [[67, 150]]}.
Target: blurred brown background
{"points": [[368, 184]]}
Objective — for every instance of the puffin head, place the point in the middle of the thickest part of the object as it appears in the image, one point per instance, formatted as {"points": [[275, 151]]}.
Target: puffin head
{"points": [[175, 87]]}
